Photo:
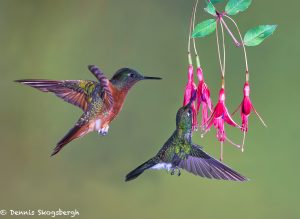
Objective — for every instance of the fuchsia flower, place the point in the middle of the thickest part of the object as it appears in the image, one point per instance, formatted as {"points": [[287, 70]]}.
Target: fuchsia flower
{"points": [[189, 91], [219, 116], [203, 97], [246, 108]]}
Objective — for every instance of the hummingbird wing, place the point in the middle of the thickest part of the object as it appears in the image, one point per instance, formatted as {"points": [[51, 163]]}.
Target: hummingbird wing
{"points": [[202, 164], [76, 92], [104, 83]]}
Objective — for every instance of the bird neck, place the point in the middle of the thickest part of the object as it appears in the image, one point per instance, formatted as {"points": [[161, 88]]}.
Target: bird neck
{"points": [[119, 95], [184, 134], [122, 86]]}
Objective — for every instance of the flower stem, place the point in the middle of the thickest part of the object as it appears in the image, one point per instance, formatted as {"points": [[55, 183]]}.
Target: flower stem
{"points": [[218, 47], [236, 42], [222, 65], [189, 41], [223, 83], [194, 43], [224, 51], [244, 48]]}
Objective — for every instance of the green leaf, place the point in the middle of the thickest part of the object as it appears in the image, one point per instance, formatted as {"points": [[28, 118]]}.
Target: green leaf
{"points": [[204, 28], [210, 8], [216, 1], [235, 6], [256, 35]]}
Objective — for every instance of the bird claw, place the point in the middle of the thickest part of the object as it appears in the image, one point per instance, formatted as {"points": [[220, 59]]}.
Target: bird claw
{"points": [[103, 131], [174, 170], [179, 173]]}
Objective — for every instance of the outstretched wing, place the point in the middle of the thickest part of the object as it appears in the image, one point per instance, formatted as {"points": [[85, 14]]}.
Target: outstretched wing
{"points": [[202, 164], [76, 92]]}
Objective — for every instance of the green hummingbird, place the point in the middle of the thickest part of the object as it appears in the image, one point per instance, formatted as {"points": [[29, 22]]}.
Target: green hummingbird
{"points": [[100, 101], [180, 153]]}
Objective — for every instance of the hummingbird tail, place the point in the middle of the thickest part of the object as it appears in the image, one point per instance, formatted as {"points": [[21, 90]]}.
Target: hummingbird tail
{"points": [[140, 169], [76, 132]]}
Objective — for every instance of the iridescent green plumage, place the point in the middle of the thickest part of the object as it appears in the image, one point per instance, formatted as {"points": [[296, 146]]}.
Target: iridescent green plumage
{"points": [[180, 153]]}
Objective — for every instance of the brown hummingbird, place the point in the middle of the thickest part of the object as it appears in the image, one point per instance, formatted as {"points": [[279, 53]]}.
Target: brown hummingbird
{"points": [[100, 101]]}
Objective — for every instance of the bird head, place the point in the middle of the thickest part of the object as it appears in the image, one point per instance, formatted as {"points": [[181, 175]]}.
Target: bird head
{"points": [[127, 77]]}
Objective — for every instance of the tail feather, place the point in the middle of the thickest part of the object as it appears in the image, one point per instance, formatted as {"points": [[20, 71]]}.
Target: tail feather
{"points": [[76, 132], [140, 169]]}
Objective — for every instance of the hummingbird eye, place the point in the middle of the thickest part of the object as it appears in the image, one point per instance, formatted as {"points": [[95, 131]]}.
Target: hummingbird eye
{"points": [[131, 75], [189, 112]]}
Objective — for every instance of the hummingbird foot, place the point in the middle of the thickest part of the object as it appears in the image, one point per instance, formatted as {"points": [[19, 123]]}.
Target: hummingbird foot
{"points": [[179, 173], [173, 171], [103, 131]]}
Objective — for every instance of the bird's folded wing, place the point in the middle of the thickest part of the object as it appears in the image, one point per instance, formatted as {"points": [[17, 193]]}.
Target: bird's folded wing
{"points": [[76, 92], [104, 83], [200, 163]]}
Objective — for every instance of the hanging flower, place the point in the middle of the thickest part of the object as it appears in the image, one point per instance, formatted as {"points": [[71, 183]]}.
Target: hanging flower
{"points": [[219, 116], [246, 108], [203, 97], [189, 91]]}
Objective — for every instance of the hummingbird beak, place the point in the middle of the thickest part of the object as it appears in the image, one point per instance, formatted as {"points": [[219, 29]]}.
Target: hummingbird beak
{"points": [[193, 98], [151, 78]]}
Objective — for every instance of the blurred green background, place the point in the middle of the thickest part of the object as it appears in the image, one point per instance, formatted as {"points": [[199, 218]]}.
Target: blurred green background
{"points": [[58, 39]]}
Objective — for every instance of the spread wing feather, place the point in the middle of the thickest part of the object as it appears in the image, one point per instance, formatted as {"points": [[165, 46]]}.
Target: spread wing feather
{"points": [[202, 164], [76, 92]]}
